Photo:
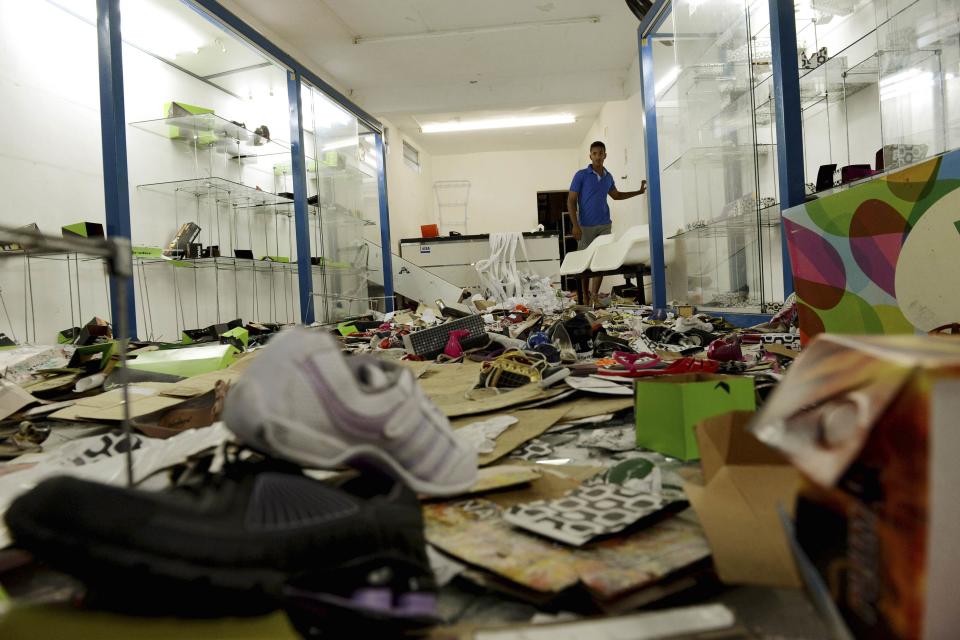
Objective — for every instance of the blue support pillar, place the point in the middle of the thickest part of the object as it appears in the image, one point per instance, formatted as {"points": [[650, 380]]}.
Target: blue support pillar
{"points": [[786, 95], [300, 219], [657, 266], [113, 138], [386, 251]]}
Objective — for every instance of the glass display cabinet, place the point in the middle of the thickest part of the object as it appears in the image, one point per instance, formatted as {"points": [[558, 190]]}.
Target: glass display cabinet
{"points": [[878, 84], [212, 229], [343, 208], [717, 150], [879, 89], [201, 177]]}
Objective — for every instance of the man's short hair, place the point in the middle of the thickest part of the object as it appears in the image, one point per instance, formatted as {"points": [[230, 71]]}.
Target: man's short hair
{"points": [[598, 144]]}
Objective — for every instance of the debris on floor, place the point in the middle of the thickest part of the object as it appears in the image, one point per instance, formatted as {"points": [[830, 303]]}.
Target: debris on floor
{"points": [[575, 432]]}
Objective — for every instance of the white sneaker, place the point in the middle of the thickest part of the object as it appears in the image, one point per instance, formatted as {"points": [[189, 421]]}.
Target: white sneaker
{"points": [[302, 400]]}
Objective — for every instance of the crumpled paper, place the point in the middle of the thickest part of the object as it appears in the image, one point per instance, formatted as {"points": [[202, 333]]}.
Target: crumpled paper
{"points": [[482, 436]]}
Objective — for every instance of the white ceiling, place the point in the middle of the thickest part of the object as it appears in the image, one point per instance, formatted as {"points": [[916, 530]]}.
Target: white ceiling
{"points": [[447, 59]]}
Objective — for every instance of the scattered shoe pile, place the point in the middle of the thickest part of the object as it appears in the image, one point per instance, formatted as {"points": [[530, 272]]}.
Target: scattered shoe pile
{"points": [[257, 531]]}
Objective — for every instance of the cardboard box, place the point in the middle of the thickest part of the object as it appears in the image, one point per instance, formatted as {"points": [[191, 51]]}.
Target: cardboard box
{"points": [[668, 408], [83, 230], [871, 422], [189, 129], [187, 362], [744, 482]]}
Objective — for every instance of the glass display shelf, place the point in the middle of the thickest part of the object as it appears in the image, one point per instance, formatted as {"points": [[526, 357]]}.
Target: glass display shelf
{"points": [[62, 256], [336, 171], [346, 297], [221, 190], [210, 131], [768, 217], [337, 215], [223, 263], [714, 155]]}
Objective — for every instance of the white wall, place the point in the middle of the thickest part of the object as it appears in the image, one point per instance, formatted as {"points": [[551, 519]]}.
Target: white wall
{"points": [[50, 164], [409, 192], [504, 185]]}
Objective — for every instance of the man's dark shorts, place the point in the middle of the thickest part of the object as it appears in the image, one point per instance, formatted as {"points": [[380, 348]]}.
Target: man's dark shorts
{"points": [[589, 234]]}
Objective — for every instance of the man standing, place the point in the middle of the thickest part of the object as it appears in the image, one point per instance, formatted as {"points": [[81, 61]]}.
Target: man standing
{"points": [[589, 211]]}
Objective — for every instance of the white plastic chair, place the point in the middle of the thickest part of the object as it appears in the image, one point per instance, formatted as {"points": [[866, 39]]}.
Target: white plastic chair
{"points": [[632, 248], [579, 261]]}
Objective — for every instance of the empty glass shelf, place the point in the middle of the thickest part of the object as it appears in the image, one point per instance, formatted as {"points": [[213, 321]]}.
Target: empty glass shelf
{"points": [[221, 190], [697, 155], [766, 217], [211, 131]]}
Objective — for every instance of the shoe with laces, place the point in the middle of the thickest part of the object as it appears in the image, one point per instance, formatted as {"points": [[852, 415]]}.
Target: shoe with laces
{"points": [[256, 536], [303, 401]]}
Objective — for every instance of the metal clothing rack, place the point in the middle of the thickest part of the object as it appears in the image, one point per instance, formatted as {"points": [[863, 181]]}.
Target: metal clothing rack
{"points": [[119, 264], [452, 197]]}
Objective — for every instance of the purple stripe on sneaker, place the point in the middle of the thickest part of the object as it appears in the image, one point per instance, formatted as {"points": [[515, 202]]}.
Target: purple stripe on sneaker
{"points": [[345, 420], [378, 598], [369, 428], [417, 604]]}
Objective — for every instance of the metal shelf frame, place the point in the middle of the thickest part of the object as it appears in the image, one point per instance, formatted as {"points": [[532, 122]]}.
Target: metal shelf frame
{"points": [[113, 139], [786, 97]]}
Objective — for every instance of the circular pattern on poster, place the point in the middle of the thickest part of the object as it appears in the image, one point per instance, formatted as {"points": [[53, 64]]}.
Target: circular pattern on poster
{"points": [[819, 275], [877, 231], [927, 276]]}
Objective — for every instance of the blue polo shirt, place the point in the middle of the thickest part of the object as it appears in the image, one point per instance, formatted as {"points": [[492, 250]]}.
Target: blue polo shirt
{"points": [[592, 198]]}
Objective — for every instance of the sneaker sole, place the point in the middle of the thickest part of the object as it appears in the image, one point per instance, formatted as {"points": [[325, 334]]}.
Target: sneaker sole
{"points": [[337, 454], [100, 565]]}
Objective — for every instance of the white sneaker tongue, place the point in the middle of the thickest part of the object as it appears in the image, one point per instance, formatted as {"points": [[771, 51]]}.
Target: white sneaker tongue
{"points": [[374, 377]]}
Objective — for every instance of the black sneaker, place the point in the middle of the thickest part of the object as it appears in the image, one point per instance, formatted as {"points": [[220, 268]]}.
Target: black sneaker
{"points": [[249, 539]]}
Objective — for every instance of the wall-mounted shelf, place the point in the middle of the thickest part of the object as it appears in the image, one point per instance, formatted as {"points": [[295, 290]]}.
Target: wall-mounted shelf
{"points": [[220, 190], [210, 131]]}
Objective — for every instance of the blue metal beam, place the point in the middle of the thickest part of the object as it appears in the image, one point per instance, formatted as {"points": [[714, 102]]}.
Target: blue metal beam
{"points": [[217, 10], [654, 18], [786, 95], [113, 139], [300, 219], [386, 251], [655, 220]]}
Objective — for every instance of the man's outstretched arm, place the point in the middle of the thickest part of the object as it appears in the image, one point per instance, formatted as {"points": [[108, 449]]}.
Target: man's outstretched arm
{"points": [[623, 195]]}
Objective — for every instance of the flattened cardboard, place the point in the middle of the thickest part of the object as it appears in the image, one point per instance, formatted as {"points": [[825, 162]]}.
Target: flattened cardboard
{"points": [[203, 383], [13, 398], [473, 531], [529, 425], [502, 476], [744, 482], [589, 407], [668, 408], [144, 398]]}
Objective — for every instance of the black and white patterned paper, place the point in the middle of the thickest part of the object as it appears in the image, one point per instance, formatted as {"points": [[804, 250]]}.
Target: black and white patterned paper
{"points": [[584, 513]]}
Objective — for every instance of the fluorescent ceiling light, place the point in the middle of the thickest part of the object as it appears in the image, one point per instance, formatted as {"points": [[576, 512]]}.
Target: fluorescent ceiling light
{"points": [[664, 83], [498, 123]]}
